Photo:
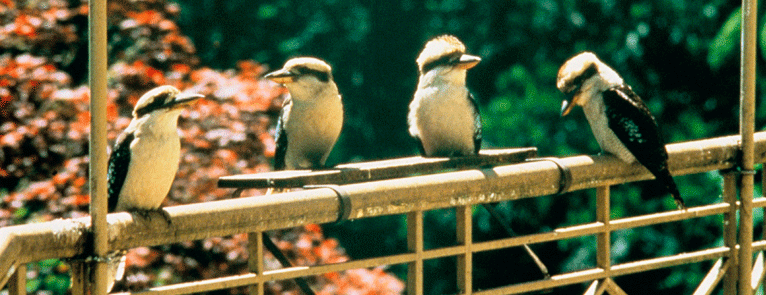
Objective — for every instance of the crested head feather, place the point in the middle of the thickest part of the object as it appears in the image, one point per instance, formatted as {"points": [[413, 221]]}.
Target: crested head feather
{"points": [[155, 99], [439, 47], [581, 67], [310, 63]]}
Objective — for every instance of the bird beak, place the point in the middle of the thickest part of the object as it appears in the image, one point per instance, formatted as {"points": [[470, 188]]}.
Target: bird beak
{"points": [[282, 76], [468, 61], [184, 99], [568, 104]]}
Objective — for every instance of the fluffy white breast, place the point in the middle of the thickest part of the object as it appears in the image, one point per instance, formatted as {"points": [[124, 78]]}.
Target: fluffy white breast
{"points": [[153, 164], [442, 117], [313, 127]]}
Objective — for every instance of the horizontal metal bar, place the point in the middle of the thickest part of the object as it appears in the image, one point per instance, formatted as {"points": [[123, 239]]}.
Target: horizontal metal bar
{"points": [[617, 270], [375, 170], [65, 238], [598, 227], [553, 282]]}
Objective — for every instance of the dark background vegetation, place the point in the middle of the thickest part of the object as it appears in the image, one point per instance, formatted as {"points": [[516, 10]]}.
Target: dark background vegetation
{"points": [[681, 57]]}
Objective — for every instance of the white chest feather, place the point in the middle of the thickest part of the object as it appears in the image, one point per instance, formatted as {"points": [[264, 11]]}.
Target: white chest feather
{"points": [[443, 118], [153, 166], [312, 129], [609, 142]]}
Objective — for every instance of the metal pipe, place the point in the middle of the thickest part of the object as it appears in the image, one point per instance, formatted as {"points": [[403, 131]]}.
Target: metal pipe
{"points": [[464, 233], [97, 65], [18, 285], [730, 232], [603, 240], [746, 128], [415, 246], [65, 238]]}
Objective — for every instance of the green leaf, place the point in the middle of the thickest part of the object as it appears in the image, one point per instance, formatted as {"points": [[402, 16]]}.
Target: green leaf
{"points": [[268, 11], [725, 44], [762, 40], [57, 284]]}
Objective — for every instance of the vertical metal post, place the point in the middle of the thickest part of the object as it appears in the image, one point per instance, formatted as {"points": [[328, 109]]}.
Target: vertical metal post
{"points": [[415, 245], [730, 232], [603, 240], [763, 234], [255, 260], [603, 258], [97, 65], [463, 216], [18, 283], [746, 128]]}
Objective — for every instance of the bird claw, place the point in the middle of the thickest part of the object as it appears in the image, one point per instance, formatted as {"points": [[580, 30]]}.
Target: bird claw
{"points": [[147, 214]]}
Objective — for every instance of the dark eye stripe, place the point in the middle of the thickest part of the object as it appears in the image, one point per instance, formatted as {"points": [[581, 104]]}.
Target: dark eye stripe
{"points": [[320, 75], [156, 104], [444, 60], [589, 72]]}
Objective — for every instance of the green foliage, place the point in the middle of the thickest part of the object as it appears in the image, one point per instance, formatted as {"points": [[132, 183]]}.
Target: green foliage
{"points": [[679, 56], [50, 275], [725, 46]]}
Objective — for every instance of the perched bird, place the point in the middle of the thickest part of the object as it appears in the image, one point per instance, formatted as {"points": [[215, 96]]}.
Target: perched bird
{"points": [[619, 119], [144, 161], [311, 118], [443, 116], [308, 126]]}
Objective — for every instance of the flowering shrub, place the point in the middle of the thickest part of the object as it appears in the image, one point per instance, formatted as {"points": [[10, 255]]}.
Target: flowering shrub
{"points": [[46, 124]]}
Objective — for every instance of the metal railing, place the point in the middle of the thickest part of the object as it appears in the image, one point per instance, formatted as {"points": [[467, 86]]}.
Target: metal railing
{"points": [[460, 189], [412, 196]]}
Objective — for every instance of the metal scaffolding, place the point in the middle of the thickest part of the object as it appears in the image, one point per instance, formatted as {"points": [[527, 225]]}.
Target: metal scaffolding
{"points": [[365, 196]]}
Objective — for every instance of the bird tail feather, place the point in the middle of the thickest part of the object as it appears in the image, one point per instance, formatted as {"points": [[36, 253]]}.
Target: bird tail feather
{"points": [[670, 185]]}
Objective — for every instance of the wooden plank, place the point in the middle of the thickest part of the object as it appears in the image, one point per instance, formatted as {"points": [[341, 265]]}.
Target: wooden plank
{"points": [[375, 170]]}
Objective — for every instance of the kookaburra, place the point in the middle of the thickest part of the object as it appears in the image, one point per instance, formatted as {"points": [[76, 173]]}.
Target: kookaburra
{"points": [[311, 118], [145, 157], [308, 126], [443, 116], [619, 119]]}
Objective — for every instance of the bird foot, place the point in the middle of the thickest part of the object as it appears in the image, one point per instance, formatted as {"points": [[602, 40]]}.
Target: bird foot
{"points": [[147, 214]]}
